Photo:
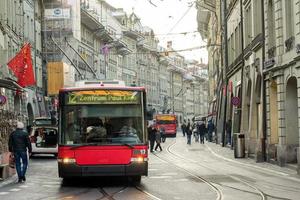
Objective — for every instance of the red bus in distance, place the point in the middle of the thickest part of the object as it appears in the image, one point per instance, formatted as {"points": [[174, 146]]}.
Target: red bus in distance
{"points": [[168, 122]]}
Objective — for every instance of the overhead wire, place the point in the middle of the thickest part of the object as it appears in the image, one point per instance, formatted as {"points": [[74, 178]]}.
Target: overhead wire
{"points": [[184, 14]]}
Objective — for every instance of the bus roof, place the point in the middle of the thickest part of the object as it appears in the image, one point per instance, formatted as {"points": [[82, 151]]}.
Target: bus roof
{"points": [[66, 89]]}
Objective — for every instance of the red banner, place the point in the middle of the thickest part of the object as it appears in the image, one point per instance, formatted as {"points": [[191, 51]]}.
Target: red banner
{"points": [[21, 65], [230, 87]]}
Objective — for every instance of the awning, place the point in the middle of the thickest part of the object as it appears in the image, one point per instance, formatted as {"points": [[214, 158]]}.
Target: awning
{"points": [[10, 84]]}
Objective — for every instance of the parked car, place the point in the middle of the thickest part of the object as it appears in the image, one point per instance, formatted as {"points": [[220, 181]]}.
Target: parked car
{"points": [[44, 139]]}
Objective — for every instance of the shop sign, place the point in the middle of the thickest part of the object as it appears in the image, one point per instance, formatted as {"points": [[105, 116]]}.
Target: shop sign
{"points": [[3, 100], [57, 13], [269, 63]]}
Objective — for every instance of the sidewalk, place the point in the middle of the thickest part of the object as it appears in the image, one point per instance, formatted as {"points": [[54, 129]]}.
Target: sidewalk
{"points": [[227, 154], [8, 181]]}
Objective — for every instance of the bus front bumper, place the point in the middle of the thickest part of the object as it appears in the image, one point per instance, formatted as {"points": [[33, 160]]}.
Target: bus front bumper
{"points": [[74, 170]]}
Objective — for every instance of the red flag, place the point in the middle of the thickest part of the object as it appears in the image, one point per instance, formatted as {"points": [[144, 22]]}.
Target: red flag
{"points": [[21, 65]]}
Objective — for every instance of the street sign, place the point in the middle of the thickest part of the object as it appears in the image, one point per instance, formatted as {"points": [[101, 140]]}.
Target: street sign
{"points": [[235, 101], [3, 100]]}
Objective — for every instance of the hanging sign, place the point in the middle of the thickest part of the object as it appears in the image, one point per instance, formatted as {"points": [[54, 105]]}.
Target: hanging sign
{"points": [[235, 101], [3, 100]]}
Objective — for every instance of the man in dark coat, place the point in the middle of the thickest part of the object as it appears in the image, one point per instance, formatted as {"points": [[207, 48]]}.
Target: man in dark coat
{"points": [[151, 134], [201, 130], [18, 144], [189, 132], [210, 129], [183, 128], [228, 131]]}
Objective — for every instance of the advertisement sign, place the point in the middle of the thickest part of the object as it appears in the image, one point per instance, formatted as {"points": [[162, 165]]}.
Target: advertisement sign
{"points": [[103, 97], [57, 13]]}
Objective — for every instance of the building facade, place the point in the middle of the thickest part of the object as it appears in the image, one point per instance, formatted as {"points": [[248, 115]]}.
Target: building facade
{"points": [[282, 81], [18, 22], [209, 27]]}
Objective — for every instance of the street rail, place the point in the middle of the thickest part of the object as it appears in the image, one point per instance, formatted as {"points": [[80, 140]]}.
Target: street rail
{"points": [[108, 196], [262, 195], [219, 193]]}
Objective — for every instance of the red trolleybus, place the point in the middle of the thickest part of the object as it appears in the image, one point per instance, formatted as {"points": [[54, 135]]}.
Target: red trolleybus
{"points": [[168, 122], [102, 130]]}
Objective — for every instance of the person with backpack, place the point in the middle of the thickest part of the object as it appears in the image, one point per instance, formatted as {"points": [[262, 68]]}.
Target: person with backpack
{"points": [[18, 145], [201, 130]]}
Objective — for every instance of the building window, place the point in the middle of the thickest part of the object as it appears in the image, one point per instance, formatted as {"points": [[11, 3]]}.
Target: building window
{"points": [[257, 18], [289, 18], [271, 25], [248, 25]]}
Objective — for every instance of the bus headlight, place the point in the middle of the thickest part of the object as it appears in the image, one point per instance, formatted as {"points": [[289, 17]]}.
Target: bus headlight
{"points": [[66, 160]]}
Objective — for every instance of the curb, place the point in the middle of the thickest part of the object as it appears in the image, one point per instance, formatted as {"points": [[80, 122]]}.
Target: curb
{"points": [[273, 171]]}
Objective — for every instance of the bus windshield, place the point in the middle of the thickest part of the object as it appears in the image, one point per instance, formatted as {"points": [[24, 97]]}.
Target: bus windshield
{"points": [[102, 124]]}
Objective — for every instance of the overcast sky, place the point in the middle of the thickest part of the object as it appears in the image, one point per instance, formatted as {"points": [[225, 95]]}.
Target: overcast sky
{"points": [[163, 17]]}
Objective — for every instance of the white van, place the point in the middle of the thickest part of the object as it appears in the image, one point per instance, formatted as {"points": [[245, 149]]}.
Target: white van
{"points": [[44, 139]]}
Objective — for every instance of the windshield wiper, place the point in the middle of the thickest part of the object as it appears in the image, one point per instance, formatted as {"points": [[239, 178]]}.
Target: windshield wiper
{"points": [[84, 145], [128, 145]]}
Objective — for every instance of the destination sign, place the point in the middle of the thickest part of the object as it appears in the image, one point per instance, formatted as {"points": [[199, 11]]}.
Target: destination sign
{"points": [[166, 117], [103, 97]]}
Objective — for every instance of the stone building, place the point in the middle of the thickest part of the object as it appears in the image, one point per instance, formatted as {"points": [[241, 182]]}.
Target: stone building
{"points": [[209, 27], [281, 72], [252, 100], [20, 23]]}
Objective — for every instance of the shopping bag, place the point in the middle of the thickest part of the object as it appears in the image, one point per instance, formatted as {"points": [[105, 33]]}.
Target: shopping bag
{"points": [[12, 161]]}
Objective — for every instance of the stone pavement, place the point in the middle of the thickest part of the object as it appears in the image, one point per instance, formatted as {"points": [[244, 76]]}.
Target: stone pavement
{"points": [[227, 154]]}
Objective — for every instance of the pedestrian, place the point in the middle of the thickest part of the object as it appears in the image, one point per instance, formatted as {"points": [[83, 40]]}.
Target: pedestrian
{"points": [[158, 140], [183, 128], [201, 130], [163, 134], [210, 129], [18, 144], [151, 134], [189, 132], [195, 132], [228, 131]]}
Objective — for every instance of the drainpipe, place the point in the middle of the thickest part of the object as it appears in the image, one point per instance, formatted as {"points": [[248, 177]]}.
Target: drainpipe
{"points": [[35, 46], [264, 88], [225, 51], [243, 65]]}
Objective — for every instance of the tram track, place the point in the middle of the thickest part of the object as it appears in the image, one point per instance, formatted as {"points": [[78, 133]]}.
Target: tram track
{"points": [[219, 193], [110, 196], [258, 191]]}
